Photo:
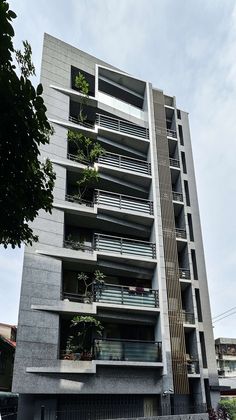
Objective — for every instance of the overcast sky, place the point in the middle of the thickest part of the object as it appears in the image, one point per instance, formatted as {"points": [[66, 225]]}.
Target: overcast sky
{"points": [[188, 49]]}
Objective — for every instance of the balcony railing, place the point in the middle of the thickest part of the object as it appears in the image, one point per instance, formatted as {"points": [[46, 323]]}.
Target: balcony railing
{"points": [[124, 246], [180, 233], [184, 273], [76, 199], [127, 350], [120, 295], [82, 123], [188, 317], [174, 162], [125, 295], [77, 158], [177, 196], [193, 366], [123, 202], [171, 133], [123, 162], [77, 245], [122, 126]]}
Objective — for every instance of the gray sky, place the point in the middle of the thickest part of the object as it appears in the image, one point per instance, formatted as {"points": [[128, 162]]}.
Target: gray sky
{"points": [[188, 49]]}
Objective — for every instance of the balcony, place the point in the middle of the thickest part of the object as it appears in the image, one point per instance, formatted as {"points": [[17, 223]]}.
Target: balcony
{"points": [[184, 273], [121, 126], [174, 162], [187, 317], [126, 295], [124, 246], [180, 233], [123, 162], [116, 294], [127, 350], [177, 196], [123, 202], [171, 133], [192, 366]]}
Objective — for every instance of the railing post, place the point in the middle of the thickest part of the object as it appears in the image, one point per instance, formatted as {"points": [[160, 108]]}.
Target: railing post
{"points": [[151, 207], [122, 295], [120, 199], [121, 245], [120, 161], [42, 412]]}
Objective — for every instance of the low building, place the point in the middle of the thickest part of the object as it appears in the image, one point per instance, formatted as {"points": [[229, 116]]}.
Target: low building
{"points": [[226, 364], [7, 352]]}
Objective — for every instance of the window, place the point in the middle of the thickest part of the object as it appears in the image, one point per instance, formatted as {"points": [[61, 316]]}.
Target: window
{"points": [[194, 264], [181, 137], [190, 227], [186, 189], [179, 114], [183, 162]]}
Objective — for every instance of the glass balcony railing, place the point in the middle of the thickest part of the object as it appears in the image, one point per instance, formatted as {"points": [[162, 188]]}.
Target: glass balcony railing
{"points": [[122, 126], [120, 295], [123, 162], [184, 273], [127, 350], [124, 246], [177, 196], [171, 133], [174, 162], [125, 295], [123, 202], [180, 233]]}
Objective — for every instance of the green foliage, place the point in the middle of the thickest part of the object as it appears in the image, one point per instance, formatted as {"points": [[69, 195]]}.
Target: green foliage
{"points": [[83, 329], [87, 150], [99, 277], [26, 184], [89, 178], [74, 244], [228, 406], [82, 84]]}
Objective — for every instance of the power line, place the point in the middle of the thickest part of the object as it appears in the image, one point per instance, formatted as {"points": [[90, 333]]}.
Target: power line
{"points": [[217, 316], [226, 316]]}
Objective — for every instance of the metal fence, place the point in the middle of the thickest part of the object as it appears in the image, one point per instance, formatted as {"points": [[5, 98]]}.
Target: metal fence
{"points": [[122, 126], [124, 162]]}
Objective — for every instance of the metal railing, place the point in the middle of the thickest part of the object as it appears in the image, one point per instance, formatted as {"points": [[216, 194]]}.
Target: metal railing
{"points": [[174, 162], [122, 126], [123, 202], [187, 317], [180, 233], [77, 200], [193, 366], [177, 196], [123, 162], [77, 245], [77, 158], [122, 246], [125, 295], [184, 273], [127, 350], [82, 123], [171, 133]]}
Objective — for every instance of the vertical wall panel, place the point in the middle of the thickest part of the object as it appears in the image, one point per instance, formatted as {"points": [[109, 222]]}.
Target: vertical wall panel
{"points": [[180, 377]]}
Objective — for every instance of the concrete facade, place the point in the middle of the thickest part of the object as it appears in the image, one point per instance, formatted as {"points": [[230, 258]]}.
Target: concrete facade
{"points": [[136, 323]]}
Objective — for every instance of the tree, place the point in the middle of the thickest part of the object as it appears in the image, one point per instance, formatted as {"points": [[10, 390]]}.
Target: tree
{"points": [[26, 182]]}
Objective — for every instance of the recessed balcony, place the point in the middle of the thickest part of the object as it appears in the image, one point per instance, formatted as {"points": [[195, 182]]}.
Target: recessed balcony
{"points": [[115, 244], [177, 196], [127, 350], [184, 273], [118, 295], [192, 366], [180, 233], [187, 317], [126, 163], [174, 162], [123, 202], [171, 133], [121, 126]]}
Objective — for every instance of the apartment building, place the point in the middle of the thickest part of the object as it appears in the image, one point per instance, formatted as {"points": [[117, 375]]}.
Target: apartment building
{"points": [[226, 364], [122, 251]]}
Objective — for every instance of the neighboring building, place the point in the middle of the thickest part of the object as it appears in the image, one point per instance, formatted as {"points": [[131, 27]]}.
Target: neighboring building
{"points": [[226, 364], [7, 352], [139, 225]]}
